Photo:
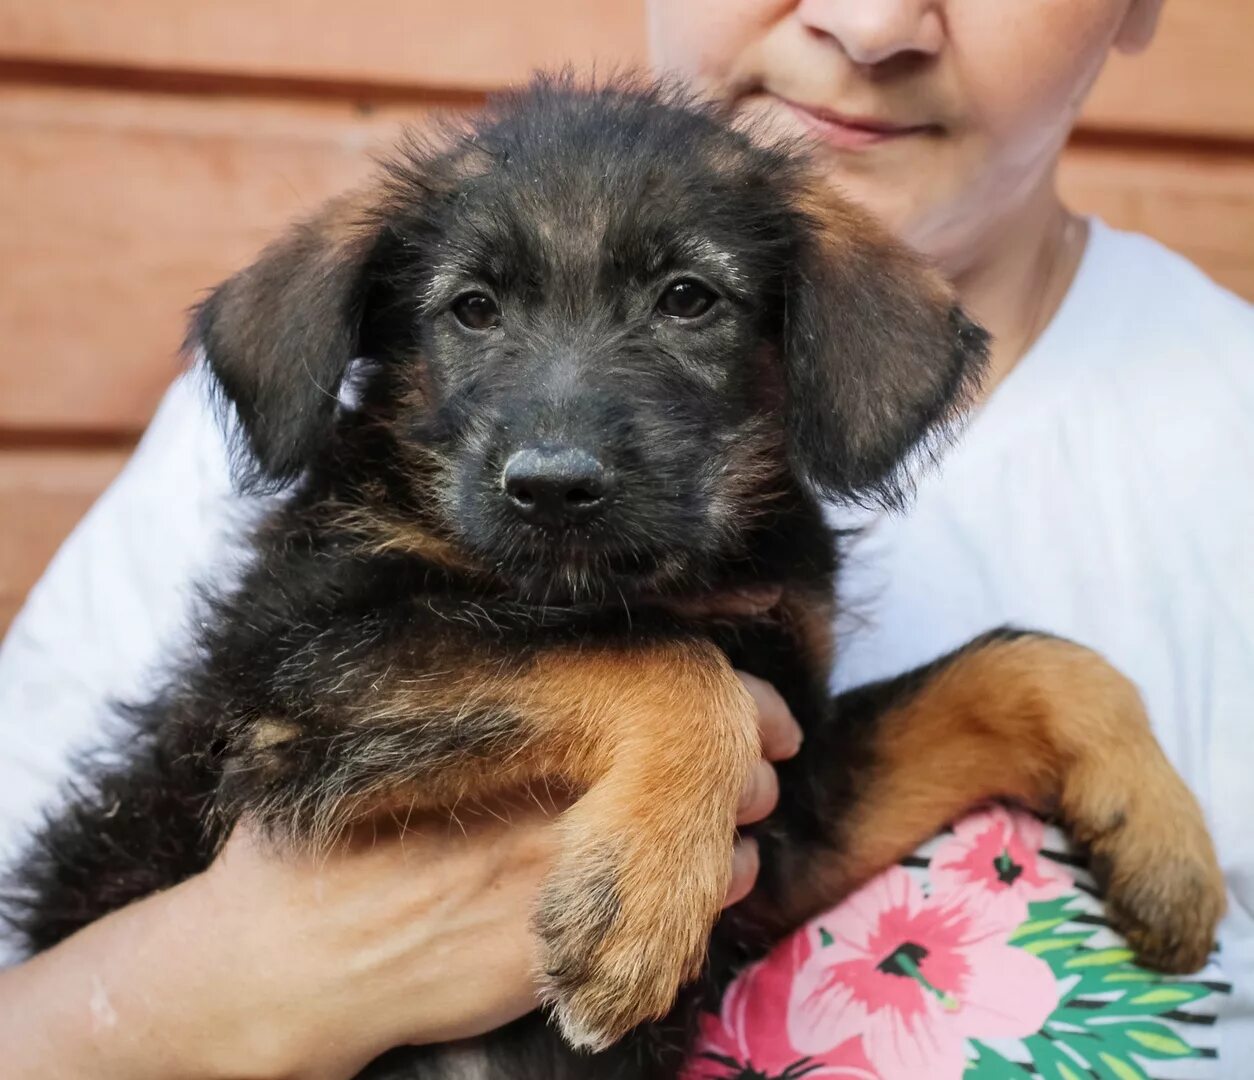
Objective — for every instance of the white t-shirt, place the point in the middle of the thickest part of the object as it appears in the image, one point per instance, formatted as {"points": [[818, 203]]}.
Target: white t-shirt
{"points": [[1105, 493]]}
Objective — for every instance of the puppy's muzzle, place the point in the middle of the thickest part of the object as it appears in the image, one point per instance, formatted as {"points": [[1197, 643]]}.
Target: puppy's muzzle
{"points": [[555, 487]]}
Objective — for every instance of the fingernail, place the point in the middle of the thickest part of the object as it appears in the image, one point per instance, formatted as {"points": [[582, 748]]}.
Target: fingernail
{"points": [[749, 793], [745, 864], [798, 737], [745, 853]]}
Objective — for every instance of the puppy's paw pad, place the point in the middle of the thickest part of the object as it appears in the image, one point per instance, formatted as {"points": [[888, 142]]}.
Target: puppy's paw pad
{"points": [[616, 950], [1164, 887], [1170, 912], [616, 994]]}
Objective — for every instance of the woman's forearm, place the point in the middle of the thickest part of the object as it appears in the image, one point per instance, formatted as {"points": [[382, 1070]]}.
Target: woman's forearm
{"points": [[272, 966], [115, 1000]]}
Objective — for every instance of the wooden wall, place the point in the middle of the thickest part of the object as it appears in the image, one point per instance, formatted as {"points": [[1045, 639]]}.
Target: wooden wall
{"points": [[148, 147]]}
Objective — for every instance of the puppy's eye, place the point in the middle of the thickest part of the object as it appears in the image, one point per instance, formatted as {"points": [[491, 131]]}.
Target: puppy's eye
{"points": [[686, 299], [476, 311]]}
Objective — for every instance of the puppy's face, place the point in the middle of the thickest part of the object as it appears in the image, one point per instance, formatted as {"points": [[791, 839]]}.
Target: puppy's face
{"points": [[586, 346], [604, 332]]}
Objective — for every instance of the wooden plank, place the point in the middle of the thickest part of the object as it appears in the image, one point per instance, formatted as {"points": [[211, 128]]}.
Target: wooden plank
{"points": [[1199, 203], [42, 496], [128, 207], [1194, 79], [488, 43]]}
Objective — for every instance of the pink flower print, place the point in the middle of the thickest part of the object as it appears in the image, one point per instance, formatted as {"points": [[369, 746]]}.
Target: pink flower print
{"points": [[748, 1039], [995, 855], [914, 978]]}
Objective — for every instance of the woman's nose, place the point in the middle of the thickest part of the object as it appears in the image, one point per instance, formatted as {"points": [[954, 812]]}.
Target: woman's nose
{"points": [[872, 31]]}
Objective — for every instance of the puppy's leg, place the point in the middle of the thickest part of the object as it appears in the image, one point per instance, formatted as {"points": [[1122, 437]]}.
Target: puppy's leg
{"points": [[660, 737], [626, 916], [1021, 716]]}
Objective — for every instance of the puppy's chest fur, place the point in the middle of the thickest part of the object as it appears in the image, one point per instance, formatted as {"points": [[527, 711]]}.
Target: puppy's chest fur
{"points": [[317, 614], [328, 653]]}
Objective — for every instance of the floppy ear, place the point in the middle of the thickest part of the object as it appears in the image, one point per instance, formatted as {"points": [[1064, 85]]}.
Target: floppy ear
{"points": [[278, 336], [879, 360]]}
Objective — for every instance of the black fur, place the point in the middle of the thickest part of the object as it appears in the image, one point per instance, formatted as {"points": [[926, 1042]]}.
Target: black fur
{"points": [[820, 370]]}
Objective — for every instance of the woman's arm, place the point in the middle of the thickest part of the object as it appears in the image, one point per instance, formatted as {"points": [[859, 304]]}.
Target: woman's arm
{"points": [[274, 965]]}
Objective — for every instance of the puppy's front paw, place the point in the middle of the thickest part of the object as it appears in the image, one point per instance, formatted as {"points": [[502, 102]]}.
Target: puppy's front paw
{"points": [[623, 929], [1163, 882]]}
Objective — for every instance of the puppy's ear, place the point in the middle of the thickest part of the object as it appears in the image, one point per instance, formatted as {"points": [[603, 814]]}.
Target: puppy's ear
{"points": [[278, 336], [879, 360]]}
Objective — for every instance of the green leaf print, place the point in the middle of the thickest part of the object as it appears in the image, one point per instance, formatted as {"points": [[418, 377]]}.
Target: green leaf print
{"points": [[1103, 1026], [1035, 928], [1164, 997], [1052, 944], [1052, 1062], [1110, 1066], [990, 1065], [1156, 1040], [1044, 917], [1089, 958]]}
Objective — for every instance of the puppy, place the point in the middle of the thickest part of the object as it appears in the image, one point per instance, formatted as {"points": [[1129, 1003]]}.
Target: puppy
{"points": [[610, 354]]}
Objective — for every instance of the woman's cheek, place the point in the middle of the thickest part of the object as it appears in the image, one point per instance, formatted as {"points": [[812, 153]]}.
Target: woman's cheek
{"points": [[1026, 68], [704, 39]]}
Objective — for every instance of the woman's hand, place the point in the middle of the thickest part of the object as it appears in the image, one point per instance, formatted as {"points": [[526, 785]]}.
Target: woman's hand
{"points": [[284, 965], [781, 739]]}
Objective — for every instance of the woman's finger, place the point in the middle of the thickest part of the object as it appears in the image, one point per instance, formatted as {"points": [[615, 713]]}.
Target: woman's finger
{"points": [[760, 795], [745, 866], [781, 737]]}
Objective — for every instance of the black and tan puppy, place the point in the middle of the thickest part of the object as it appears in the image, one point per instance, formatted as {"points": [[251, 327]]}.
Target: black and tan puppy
{"points": [[609, 354]]}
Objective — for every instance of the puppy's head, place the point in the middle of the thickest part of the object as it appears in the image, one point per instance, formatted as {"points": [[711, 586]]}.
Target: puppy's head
{"points": [[597, 335]]}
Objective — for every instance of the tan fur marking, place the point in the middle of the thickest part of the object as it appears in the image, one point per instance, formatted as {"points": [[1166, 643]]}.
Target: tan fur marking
{"points": [[342, 219], [381, 534], [665, 739], [746, 478], [848, 231], [267, 733]]}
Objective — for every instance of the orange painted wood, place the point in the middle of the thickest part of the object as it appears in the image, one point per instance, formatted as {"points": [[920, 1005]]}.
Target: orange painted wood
{"points": [[1199, 203], [418, 42], [42, 494], [118, 210], [1194, 79]]}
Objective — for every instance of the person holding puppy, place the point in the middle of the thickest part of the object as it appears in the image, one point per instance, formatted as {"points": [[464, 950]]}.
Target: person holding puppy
{"points": [[1097, 493]]}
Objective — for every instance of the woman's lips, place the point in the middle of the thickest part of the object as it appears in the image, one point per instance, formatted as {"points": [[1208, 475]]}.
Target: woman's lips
{"points": [[851, 132]]}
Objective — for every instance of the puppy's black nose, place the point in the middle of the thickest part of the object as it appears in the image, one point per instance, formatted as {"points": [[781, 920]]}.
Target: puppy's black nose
{"points": [[555, 486]]}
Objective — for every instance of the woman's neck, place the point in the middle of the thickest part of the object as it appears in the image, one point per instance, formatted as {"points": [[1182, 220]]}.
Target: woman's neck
{"points": [[1018, 277]]}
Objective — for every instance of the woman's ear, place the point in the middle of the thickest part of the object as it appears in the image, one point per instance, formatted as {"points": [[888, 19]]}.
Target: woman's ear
{"points": [[879, 360], [1140, 22], [278, 336]]}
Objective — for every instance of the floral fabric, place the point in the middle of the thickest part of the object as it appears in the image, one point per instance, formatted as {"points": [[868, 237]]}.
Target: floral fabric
{"points": [[985, 957]]}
